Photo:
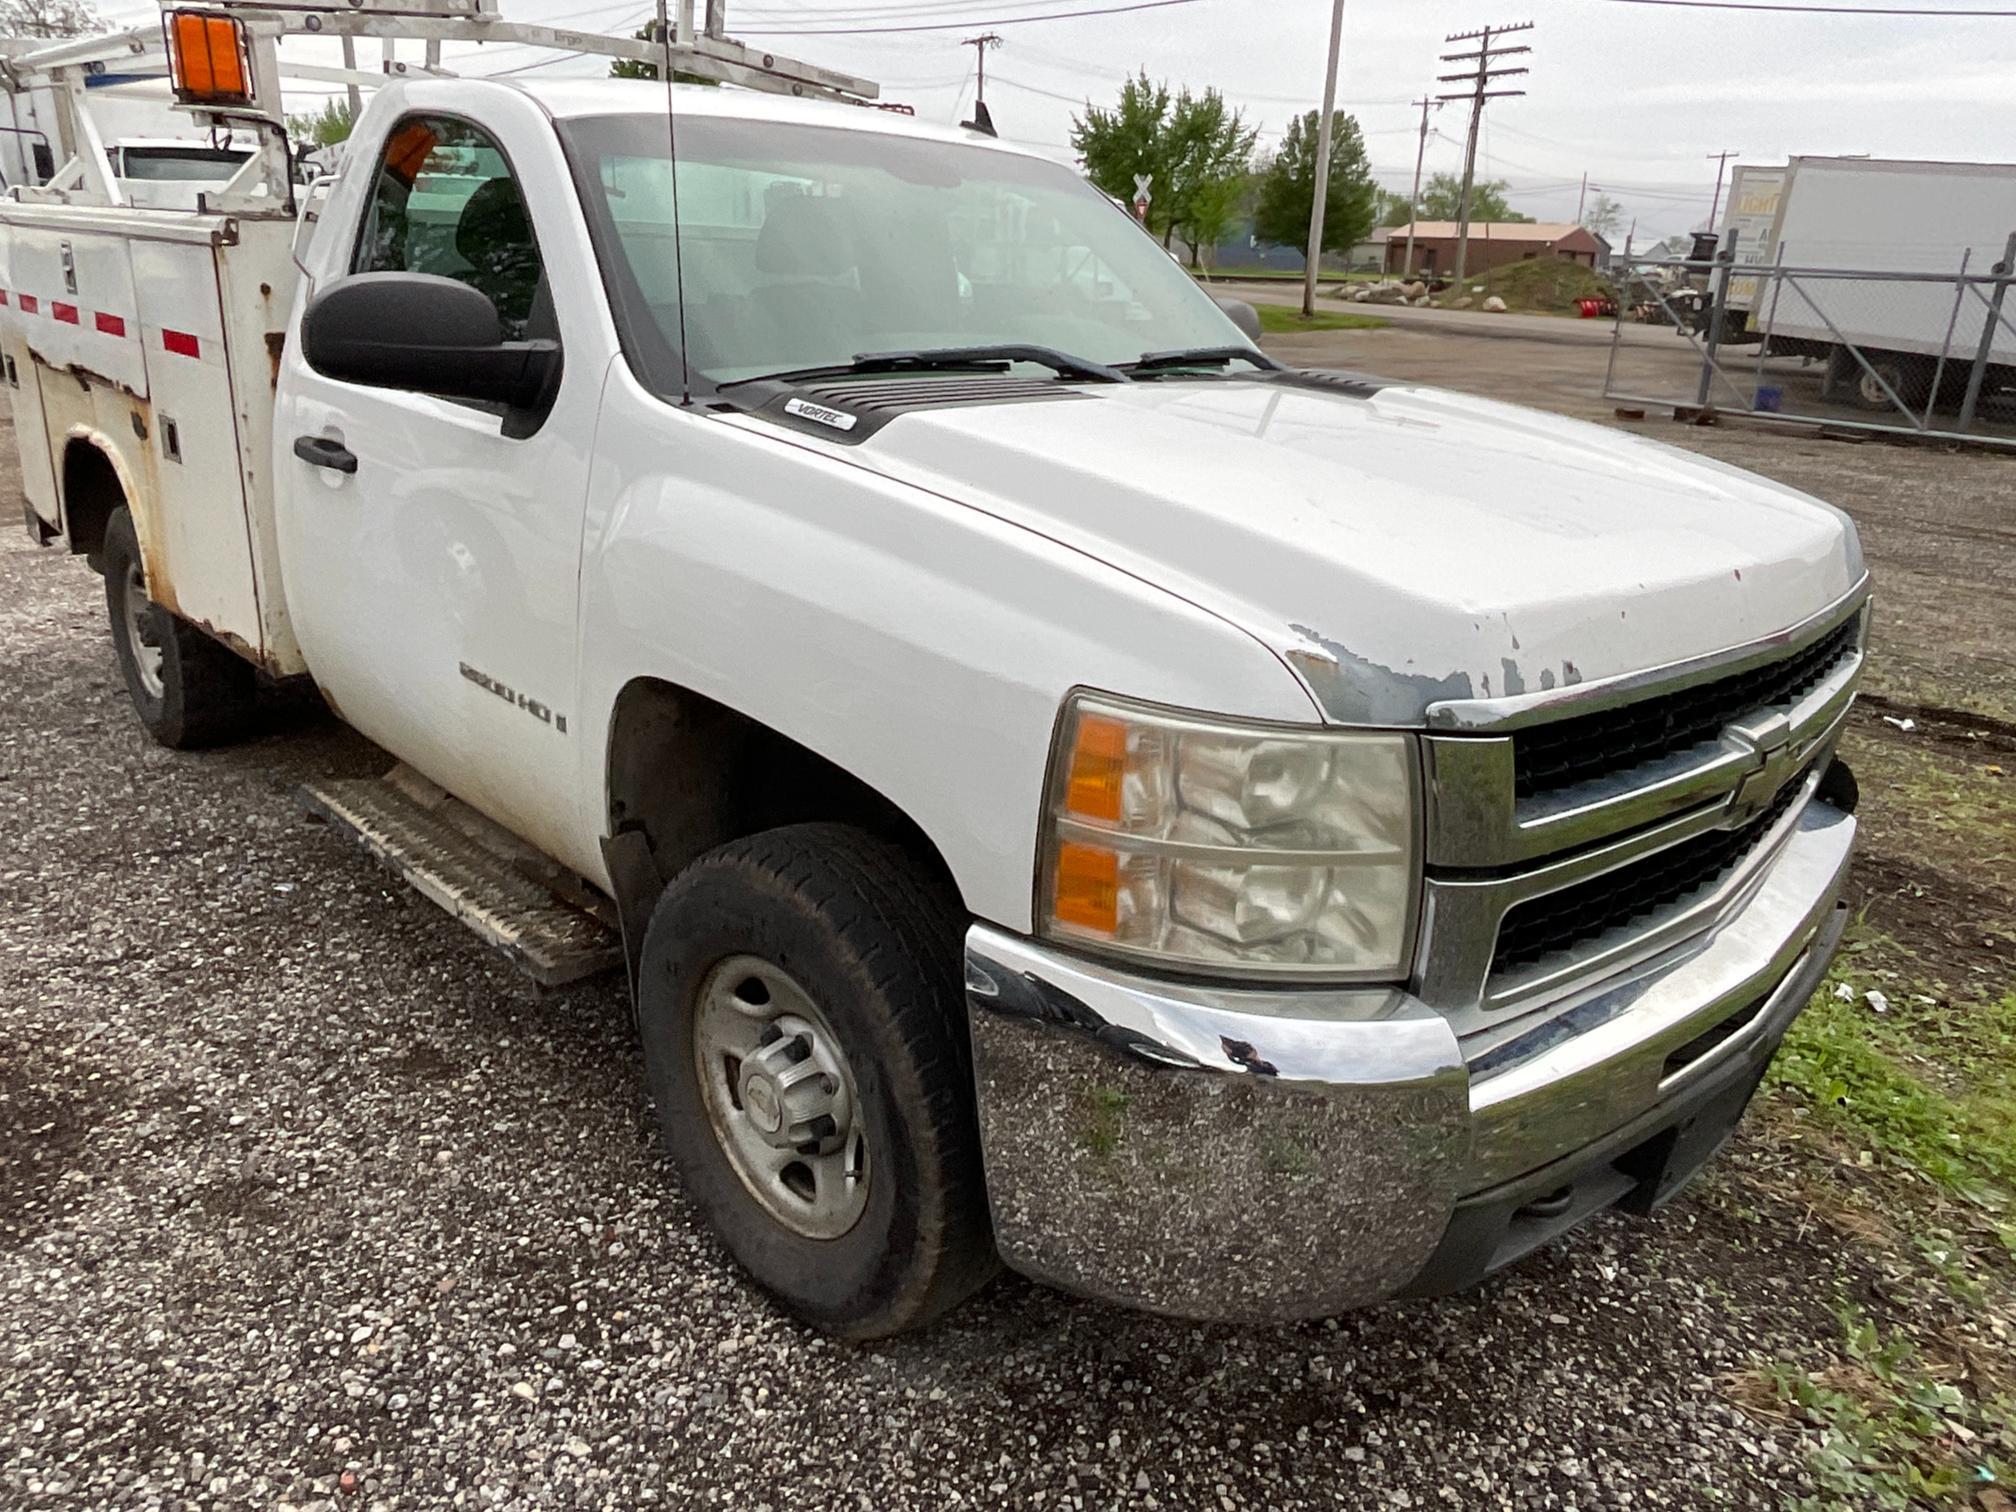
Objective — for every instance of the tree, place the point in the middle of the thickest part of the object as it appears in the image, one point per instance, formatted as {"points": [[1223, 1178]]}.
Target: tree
{"points": [[1192, 148], [635, 68], [1487, 199], [1288, 190], [1394, 210], [49, 18], [325, 127], [1209, 160], [1604, 217]]}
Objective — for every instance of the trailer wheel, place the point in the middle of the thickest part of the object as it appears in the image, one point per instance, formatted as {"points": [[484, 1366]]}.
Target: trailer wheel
{"points": [[187, 689], [1908, 374], [801, 1009]]}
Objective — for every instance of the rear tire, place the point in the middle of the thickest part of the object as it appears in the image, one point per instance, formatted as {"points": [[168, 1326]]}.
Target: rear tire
{"points": [[188, 690], [822, 948]]}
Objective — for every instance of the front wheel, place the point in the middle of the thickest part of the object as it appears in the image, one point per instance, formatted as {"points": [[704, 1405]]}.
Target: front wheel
{"points": [[188, 690], [800, 1005]]}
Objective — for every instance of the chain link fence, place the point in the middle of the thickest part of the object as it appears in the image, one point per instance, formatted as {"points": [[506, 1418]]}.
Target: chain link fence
{"points": [[1918, 353]]}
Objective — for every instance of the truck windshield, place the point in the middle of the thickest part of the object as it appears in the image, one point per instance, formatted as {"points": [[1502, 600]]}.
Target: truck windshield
{"points": [[806, 246]]}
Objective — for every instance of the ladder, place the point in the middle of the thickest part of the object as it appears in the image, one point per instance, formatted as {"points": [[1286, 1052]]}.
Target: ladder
{"points": [[700, 47]]}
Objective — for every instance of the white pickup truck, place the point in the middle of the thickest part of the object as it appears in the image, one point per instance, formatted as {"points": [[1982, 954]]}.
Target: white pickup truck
{"points": [[1235, 841]]}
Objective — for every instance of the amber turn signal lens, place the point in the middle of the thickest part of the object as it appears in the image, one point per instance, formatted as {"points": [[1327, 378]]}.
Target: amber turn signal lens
{"points": [[209, 59], [1085, 891], [1098, 770]]}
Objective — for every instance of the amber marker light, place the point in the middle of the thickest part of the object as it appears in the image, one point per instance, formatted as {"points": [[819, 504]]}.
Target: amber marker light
{"points": [[208, 59], [1098, 769], [1085, 888]]}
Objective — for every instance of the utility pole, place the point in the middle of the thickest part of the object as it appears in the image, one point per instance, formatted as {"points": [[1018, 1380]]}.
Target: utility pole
{"points": [[1479, 91], [1321, 190], [980, 44], [1721, 162], [1582, 199], [1414, 203]]}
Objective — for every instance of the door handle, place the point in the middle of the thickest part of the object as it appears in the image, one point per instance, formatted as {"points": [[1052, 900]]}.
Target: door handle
{"points": [[320, 451]]}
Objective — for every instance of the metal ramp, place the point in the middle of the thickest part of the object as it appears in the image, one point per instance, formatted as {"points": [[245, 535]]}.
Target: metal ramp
{"points": [[548, 923]]}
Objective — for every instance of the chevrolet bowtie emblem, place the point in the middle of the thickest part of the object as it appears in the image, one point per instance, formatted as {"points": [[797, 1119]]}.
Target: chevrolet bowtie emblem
{"points": [[1776, 756]]}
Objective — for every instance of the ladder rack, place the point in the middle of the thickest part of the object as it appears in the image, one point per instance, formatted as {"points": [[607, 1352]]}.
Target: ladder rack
{"points": [[264, 186]]}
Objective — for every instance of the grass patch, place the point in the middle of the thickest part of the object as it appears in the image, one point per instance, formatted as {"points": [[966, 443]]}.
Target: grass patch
{"points": [[1279, 320], [1102, 1119], [1283, 275], [1852, 1072], [1886, 1428]]}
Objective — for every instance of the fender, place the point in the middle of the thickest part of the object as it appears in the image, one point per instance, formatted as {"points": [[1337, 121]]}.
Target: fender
{"points": [[918, 644]]}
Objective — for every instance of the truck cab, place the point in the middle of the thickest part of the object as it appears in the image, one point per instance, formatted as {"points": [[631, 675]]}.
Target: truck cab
{"points": [[1225, 839]]}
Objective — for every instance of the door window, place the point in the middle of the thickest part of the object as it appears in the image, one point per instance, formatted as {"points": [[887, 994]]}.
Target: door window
{"points": [[445, 202]]}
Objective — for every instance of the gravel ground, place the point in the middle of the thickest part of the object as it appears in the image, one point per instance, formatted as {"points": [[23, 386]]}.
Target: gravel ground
{"points": [[305, 1200]]}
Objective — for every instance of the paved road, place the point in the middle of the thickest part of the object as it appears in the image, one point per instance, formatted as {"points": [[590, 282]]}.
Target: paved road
{"points": [[1548, 328]]}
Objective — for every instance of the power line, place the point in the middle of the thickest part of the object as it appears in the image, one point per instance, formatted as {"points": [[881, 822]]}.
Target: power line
{"points": [[980, 44], [1478, 92], [761, 14], [863, 31], [1822, 10]]}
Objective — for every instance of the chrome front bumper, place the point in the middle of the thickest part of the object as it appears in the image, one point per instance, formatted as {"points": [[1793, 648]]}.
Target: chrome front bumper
{"points": [[1249, 1155]]}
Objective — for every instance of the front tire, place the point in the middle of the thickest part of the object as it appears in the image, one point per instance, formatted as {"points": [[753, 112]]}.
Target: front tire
{"points": [[188, 690], [800, 1005]]}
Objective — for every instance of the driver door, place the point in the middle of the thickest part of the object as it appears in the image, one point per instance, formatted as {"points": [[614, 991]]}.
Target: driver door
{"points": [[431, 546]]}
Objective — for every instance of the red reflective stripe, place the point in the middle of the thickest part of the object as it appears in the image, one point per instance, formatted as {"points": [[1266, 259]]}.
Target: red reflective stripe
{"points": [[180, 342], [111, 325], [67, 313], [3, 298], [28, 304]]}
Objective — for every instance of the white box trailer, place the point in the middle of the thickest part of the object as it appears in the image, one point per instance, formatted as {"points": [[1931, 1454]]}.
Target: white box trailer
{"points": [[1924, 223]]}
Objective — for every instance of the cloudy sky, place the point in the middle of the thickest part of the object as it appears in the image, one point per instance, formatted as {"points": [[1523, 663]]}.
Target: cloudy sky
{"points": [[1635, 96]]}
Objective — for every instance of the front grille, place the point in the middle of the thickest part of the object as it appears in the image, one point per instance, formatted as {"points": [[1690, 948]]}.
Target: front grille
{"points": [[1570, 751], [1556, 921]]}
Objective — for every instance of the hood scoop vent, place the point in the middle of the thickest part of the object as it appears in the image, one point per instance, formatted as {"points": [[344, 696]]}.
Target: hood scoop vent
{"points": [[850, 410], [897, 396]]}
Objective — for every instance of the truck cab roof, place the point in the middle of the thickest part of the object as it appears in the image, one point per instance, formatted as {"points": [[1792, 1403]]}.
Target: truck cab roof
{"points": [[568, 99]]}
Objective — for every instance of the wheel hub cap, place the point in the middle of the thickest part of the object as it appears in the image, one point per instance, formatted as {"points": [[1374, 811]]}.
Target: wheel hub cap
{"points": [[780, 1097], [142, 633]]}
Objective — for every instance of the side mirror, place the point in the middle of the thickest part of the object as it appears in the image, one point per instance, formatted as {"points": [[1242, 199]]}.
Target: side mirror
{"points": [[424, 334], [1243, 315]]}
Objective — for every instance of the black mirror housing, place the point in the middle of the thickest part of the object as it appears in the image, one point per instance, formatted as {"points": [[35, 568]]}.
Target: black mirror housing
{"points": [[1243, 315], [425, 334]]}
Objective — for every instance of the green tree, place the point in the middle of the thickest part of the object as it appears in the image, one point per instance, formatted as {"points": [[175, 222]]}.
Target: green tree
{"points": [[1210, 158], [1604, 217], [1487, 199], [1193, 148], [1288, 188], [634, 68], [1393, 209], [325, 127]]}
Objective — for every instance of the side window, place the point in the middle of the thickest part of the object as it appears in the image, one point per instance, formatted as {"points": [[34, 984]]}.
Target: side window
{"points": [[445, 202]]}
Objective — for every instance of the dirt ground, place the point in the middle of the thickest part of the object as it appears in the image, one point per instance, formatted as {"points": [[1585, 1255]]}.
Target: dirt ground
{"points": [[306, 1201]]}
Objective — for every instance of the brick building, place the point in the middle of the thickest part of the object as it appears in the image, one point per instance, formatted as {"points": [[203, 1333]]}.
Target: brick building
{"points": [[1492, 244]]}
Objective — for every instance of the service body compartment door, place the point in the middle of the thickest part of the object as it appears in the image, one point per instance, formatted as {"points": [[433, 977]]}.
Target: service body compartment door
{"points": [[198, 550], [24, 395]]}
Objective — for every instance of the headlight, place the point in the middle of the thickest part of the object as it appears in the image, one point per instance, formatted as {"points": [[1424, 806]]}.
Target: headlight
{"points": [[1217, 846]]}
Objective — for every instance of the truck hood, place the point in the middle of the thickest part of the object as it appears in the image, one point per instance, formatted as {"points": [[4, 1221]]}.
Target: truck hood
{"points": [[1399, 549]]}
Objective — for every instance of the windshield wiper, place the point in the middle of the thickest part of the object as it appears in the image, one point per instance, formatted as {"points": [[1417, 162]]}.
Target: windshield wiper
{"points": [[1187, 357], [991, 358]]}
